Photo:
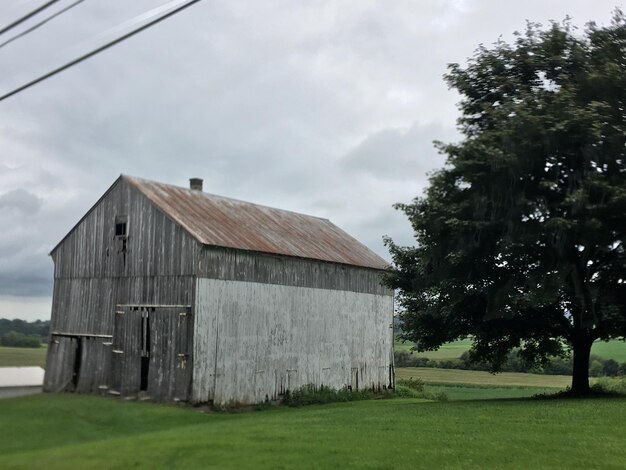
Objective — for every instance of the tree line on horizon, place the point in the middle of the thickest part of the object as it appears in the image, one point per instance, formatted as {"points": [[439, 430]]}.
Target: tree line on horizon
{"points": [[557, 365], [23, 334]]}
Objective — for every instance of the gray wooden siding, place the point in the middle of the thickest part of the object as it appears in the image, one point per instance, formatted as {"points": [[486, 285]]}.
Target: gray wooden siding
{"points": [[255, 341], [155, 246], [93, 275], [87, 306], [236, 265], [93, 355]]}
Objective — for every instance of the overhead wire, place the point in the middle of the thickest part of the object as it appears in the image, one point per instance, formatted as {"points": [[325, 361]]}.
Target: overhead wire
{"points": [[139, 18], [98, 50], [27, 16], [41, 23]]}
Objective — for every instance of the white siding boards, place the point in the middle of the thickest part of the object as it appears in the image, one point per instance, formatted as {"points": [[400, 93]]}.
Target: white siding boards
{"points": [[254, 341], [153, 308]]}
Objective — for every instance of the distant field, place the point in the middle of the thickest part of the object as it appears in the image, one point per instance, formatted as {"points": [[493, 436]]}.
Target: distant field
{"points": [[22, 357], [474, 377], [70, 431], [447, 351], [614, 349]]}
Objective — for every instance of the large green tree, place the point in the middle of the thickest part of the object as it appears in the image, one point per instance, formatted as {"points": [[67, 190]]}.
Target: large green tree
{"points": [[521, 236]]}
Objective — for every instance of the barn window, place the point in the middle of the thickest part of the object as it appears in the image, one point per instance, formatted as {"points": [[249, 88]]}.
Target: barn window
{"points": [[121, 226]]}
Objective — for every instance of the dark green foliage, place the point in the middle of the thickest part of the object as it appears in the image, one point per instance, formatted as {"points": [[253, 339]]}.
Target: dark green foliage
{"points": [[38, 327], [595, 368], [22, 334], [19, 340], [610, 368], [555, 365], [558, 366], [406, 359], [521, 237]]}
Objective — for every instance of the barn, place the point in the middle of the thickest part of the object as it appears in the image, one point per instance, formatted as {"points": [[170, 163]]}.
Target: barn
{"points": [[179, 295]]}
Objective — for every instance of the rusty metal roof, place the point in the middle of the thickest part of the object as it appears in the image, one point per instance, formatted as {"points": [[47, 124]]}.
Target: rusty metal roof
{"points": [[220, 221]]}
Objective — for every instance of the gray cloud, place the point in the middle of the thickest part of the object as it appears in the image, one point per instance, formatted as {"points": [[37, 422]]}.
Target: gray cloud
{"points": [[20, 200], [398, 154], [328, 108]]}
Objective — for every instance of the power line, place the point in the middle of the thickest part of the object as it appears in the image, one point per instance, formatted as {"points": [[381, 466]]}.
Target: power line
{"points": [[40, 24], [97, 51], [24, 18], [142, 17]]}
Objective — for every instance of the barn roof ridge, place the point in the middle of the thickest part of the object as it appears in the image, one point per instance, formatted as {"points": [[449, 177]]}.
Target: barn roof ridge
{"points": [[219, 196], [209, 219]]}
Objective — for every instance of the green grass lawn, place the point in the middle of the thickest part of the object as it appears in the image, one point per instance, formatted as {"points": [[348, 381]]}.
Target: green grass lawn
{"points": [[22, 357], [70, 431], [614, 349], [483, 392]]}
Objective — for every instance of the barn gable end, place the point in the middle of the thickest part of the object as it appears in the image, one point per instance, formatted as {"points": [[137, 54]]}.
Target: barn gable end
{"points": [[96, 270]]}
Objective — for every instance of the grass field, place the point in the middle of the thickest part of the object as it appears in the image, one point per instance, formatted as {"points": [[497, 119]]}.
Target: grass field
{"points": [[22, 357], [70, 431], [475, 377], [614, 349], [478, 385], [447, 351]]}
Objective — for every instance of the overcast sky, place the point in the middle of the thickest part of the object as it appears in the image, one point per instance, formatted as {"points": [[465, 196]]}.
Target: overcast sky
{"points": [[323, 107]]}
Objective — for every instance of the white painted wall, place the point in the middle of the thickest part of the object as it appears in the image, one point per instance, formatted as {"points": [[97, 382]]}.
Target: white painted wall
{"points": [[255, 340]]}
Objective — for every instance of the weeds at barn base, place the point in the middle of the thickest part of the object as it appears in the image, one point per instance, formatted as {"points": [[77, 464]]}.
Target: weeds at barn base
{"points": [[311, 395]]}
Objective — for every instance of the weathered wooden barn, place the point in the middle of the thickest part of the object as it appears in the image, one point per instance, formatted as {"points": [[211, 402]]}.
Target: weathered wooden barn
{"points": [[176, 294]]}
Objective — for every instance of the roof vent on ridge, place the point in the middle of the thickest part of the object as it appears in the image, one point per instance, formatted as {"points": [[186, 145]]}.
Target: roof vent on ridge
{"points": [[195, 184]]}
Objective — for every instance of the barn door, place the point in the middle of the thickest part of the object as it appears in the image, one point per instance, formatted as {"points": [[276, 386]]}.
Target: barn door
{"points": [[169, 376], [60, 364], [126, 351], [151, 351]]}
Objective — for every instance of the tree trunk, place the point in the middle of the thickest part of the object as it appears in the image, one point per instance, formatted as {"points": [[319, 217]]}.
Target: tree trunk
{"points": [[581, 346]]}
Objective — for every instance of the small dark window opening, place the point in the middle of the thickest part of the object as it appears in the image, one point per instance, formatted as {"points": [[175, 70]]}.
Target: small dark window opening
{"points": [[120, 229], [121, 233], [121, 226]]}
